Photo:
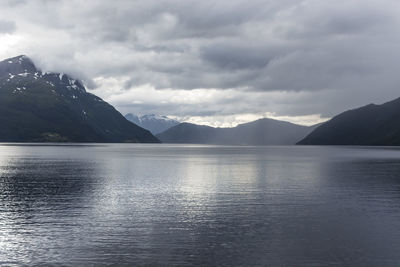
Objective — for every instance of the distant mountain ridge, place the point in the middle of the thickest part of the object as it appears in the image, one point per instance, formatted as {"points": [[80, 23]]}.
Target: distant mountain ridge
{"points": [[53, 107], [260, 132], [154, 123], [368, 125]]}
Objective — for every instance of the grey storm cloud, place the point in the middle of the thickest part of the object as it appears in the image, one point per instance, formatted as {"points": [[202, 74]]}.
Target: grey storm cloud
{"points": [[7, 26], [237, 56], [311, 51]]}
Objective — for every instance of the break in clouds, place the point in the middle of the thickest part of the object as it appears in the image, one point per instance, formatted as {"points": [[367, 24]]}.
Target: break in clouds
{"points": [[216, 62]]}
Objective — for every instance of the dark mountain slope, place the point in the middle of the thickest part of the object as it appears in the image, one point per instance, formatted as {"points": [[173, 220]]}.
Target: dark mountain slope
{"points": [[188, 133], [368, 125], [260, 132], [38, 107]]}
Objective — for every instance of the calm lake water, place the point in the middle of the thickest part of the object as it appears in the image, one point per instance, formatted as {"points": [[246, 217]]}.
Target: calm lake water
{"points": [[199, 205]]}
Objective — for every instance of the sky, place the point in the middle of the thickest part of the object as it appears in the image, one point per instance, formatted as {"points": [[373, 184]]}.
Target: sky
{"points": [[214, 62]]}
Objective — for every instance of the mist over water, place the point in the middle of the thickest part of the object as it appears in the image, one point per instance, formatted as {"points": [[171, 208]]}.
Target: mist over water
{"points": [[192, 205]]}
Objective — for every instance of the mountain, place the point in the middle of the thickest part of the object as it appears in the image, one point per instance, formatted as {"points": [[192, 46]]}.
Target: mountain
{"points": [[53, 107], [154, 123], [188, 133], [368, 125], [259, 132]]}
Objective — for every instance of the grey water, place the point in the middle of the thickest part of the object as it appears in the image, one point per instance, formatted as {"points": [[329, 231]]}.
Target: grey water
{"points": [[121, 204]]}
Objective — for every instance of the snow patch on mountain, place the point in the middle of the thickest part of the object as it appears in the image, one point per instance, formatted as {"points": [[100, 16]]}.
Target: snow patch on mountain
{"points": [[152, 122]]}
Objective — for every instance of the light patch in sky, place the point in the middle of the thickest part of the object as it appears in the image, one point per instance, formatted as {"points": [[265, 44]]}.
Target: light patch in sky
{"points": [[234, 120], [196, 103], [7, 44]]}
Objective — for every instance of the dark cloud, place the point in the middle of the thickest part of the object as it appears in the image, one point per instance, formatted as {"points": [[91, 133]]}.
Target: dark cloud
{"points": [[313, 57], [232, 56]]}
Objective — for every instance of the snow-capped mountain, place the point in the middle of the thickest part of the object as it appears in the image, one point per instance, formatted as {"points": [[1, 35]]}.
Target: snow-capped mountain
{"points": [[36, 106], [154, 123]]}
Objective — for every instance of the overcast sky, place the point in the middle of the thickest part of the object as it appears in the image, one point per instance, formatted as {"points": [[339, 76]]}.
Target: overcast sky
{"points": [[216, 62]]}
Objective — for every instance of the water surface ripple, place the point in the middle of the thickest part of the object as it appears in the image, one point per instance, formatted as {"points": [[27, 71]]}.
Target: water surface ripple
{"points": [[199, 205]]}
